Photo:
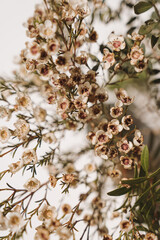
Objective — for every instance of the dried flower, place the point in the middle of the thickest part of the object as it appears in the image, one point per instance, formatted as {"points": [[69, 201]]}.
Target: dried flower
{"points": [[125, 226], [151, 236], [15, 221], [4, 134], [29, 156], [22, 128], [53, 180], [66, 208], [32, 184], [47, 212], [116, 43]]}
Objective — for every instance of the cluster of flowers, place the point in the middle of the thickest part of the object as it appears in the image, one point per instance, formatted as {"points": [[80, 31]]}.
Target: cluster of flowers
{"points": [[135, 55], [112, 138]]}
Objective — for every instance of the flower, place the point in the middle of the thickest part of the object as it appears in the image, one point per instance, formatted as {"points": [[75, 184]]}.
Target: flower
{"points": [[114, 127], [125, 226], [41, 234], [108, 58], [47, 212], [49, 138], [32, 51], [126, 162], [66, 208], [63, 62], [107, 237], [117, 110], [40, 114], [82, 59], [95, 111], [44, 71], [22, 128], [5, 112], [136, 55], [101, 94], [15, 167], [91, 136], [116, 43], [136, 37], [63, 104], [80, 102], [4, 134], [103, 137], [102, 151], [3, 222], [122, 95], [150, 236], [127, 121], [53, 46], [124, 145], [53, 181], [68, 178], [29, 156], [15, 221], [138, 139], [115, 173], [90, 167], [48, 29], [84, 89], [23, 101], [32, 184], [141, 65]]}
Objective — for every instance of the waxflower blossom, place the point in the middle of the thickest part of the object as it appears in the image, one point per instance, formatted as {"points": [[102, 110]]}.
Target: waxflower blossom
{"points": [[22, 128], [48, 29], [136, 55], [5, 134], [116, 43], [150, 236], [29, 156], [3, 222], [53, 181], [47, 212], [41, 234], [66, 208], [125, 226], [15, 167], [40, 114], [126, 162], [23, 101], [114, 127], [15, 221], [122, 95], [138, 139], [32, 50], [32, 184], [116, 111], [127, 121], [108, 59], [103, 137], [124, 145]]}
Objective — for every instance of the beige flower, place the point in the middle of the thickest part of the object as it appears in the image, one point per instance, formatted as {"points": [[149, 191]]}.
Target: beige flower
{"points": [[95, 111], [124, 145], [5, 112], [15, 221], [41, 234], [125, 226], [66, 208], [122, 95], [103, 137], [91, 136], [15, 167], [150, 236], [127, 121], [115, 173], [49, 138], [126, 162], [82, 59], [68, 178], [47, 212], [32, 184], [102, 151], [4, 134], [138, 139], [63, 104], [101, 94], [114, 127], [3, 222], [90, 167], [29, 156], [32, 51], [63, 62], [53, 46], [48, 29], [23, 100], [53, 181], [80, 102], [84, 89], [141, 65], [136, 55], [45, 72], [40, 114], [136, 37], [116, 111], [22, 128], [108, 58], [116, 43]]}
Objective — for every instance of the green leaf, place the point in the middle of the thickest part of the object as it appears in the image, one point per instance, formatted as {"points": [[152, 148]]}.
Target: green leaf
{"points": [[145, 159], [134, 181], [156, 81], [154, 40], [157, 172], [145, 194], [142, 7], [119, 191], [145, 29]]}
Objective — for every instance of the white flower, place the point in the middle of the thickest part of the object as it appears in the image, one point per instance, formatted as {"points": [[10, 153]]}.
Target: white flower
{"points": [[47, 212], [138, 139], [49, 138], [47, 30], [125, 226], [32, 184], [127, 121], [136, 54], [103, 137], [91, 136], [116, 43], [3, 222], [29, 156], [4, 134], [32, 51], [124, 145], [5, 112], [117, 110], [126, 162], [101, 94], [122, 95], [151, 236], [108, 58], [45, 72], [23, 100], [15, 221], [15, 167], [41, 234], [114, 127], [63, 104], [22, 128], [40, 114], [90, 167], [84, 89]]}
